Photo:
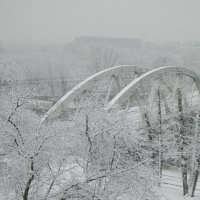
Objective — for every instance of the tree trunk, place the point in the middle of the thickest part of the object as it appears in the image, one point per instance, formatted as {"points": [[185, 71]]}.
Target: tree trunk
{"points": [[28, 184], [196, 159], [182, 143], [160, 159], [196, 176], [184, 178], [152, 149]]}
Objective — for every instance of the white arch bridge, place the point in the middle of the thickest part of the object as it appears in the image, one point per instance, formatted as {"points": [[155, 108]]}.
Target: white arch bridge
{"points": [[132, 89]]}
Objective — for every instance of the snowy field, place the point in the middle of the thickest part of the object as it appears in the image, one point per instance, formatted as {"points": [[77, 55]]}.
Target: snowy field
{"points": [[171, 188]]}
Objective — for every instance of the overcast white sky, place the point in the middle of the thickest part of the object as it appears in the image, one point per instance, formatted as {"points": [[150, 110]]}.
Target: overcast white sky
{"points": [[59, 21]]}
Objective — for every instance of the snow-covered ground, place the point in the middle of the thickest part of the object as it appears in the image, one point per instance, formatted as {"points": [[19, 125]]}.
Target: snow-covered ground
{"points": [[171, 188], [169, 193]]}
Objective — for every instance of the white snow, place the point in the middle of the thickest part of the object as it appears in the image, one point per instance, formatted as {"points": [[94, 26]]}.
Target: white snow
{"points": [[171, 188]]}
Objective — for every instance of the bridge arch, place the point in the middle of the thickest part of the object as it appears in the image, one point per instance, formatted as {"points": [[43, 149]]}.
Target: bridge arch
{"points": [[112, 72], [127, 92]]}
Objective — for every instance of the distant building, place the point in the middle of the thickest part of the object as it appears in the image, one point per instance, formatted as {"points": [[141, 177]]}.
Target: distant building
{"points": [[93, 40]]}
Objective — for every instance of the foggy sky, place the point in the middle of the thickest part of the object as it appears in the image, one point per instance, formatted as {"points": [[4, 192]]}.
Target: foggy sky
{"points": [[59, 21]]}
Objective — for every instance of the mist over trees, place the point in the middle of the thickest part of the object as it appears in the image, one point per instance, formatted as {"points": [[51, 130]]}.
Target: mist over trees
{"points": [[42, 61]]}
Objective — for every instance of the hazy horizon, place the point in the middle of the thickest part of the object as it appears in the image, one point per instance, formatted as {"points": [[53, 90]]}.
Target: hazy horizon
{"points": [[61, 21]]}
